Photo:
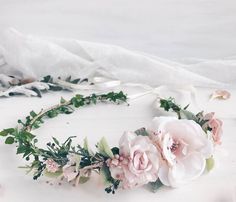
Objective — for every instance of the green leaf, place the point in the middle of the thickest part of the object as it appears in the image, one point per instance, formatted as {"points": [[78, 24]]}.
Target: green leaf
{"points": [[154, 186], [75, 81], [27, 135], [37, 91], [169, 104], [210, 163], [56, 141], [7, 131], [21, 149], [77, 162], [55, 88], [115, 150], [106, 175], [9, 140], [52, 113], [33, 114], [86, 147], [62, 100], [83, 179], [47, 79], [184, 114], [142, 131], [104, 149], [52, 175]]}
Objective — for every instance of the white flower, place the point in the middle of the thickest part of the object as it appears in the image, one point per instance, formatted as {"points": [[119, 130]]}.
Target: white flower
{"points": [[71, 169], [184, 147]]}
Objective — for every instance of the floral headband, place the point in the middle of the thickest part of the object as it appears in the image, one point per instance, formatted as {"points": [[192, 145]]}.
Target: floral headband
{"points": [[171, 152]]}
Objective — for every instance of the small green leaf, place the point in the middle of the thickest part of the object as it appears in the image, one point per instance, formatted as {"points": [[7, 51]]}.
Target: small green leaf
{"points": [[83, 179], [33, 114], [154, 186], [62, 100], [75, 81], [52, 113], [106, 175], [210, 163], [55, 88], [77, 162], [27, 135], [56, 141], [104, 149], [47, 79], [9, 140], [52, 175], [142, 132], [37, 91], [115, 150], [21, 149], [7, 131], [184, 114], [86, 147], [3, 133]]}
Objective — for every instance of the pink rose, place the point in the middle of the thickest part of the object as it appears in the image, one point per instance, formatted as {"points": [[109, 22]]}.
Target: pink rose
{"points": [[184, 147], [52, 166], [137, 162], [216, 126]]}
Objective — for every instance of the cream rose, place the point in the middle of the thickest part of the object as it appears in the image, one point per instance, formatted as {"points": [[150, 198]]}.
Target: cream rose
{"points": [[137, 162], [184, 147]]}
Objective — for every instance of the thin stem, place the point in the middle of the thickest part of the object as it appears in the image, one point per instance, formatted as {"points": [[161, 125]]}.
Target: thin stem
{"points": [[43, 112]]}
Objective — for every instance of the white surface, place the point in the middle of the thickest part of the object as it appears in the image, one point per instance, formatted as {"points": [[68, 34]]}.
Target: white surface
{"points": [[171, 29]]}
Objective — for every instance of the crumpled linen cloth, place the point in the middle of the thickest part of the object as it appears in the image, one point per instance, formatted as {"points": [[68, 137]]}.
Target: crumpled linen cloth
{"points": [[35, 57]]}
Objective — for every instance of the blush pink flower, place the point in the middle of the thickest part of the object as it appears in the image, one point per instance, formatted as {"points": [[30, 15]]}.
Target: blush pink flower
{"points": [[71, 169], [184, 147], [221, 94], [52, 166], [137, 163], [70, 172], [215, 125]]}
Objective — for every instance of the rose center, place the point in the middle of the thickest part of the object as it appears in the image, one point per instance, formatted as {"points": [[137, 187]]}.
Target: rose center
{"points": [[174, 147], [140, 161]]}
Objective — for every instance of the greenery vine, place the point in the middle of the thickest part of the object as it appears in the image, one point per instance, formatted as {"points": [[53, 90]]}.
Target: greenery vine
{"points": [[89, 161]]}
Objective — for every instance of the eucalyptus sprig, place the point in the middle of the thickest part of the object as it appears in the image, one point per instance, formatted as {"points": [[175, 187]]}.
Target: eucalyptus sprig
{"points": [[11, 86]]}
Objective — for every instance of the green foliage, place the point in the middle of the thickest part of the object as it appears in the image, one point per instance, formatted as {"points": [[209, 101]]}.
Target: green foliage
{"points": [[184, 114], [168, 104], [154, 186], [210, 163], [111, 183], [26, 141], [142, 132], [54, 86], [9, 140], [115, 150], [104, 148], [8, 131]]}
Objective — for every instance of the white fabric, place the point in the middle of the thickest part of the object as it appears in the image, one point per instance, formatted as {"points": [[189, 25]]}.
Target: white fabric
{"points": [[30, 56]]}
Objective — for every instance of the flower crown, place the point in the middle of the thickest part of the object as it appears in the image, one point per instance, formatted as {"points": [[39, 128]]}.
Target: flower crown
{"points": [[172, 151]]}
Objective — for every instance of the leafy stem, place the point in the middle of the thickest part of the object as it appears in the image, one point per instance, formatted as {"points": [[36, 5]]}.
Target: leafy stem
{"points": [[26, 141]]}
